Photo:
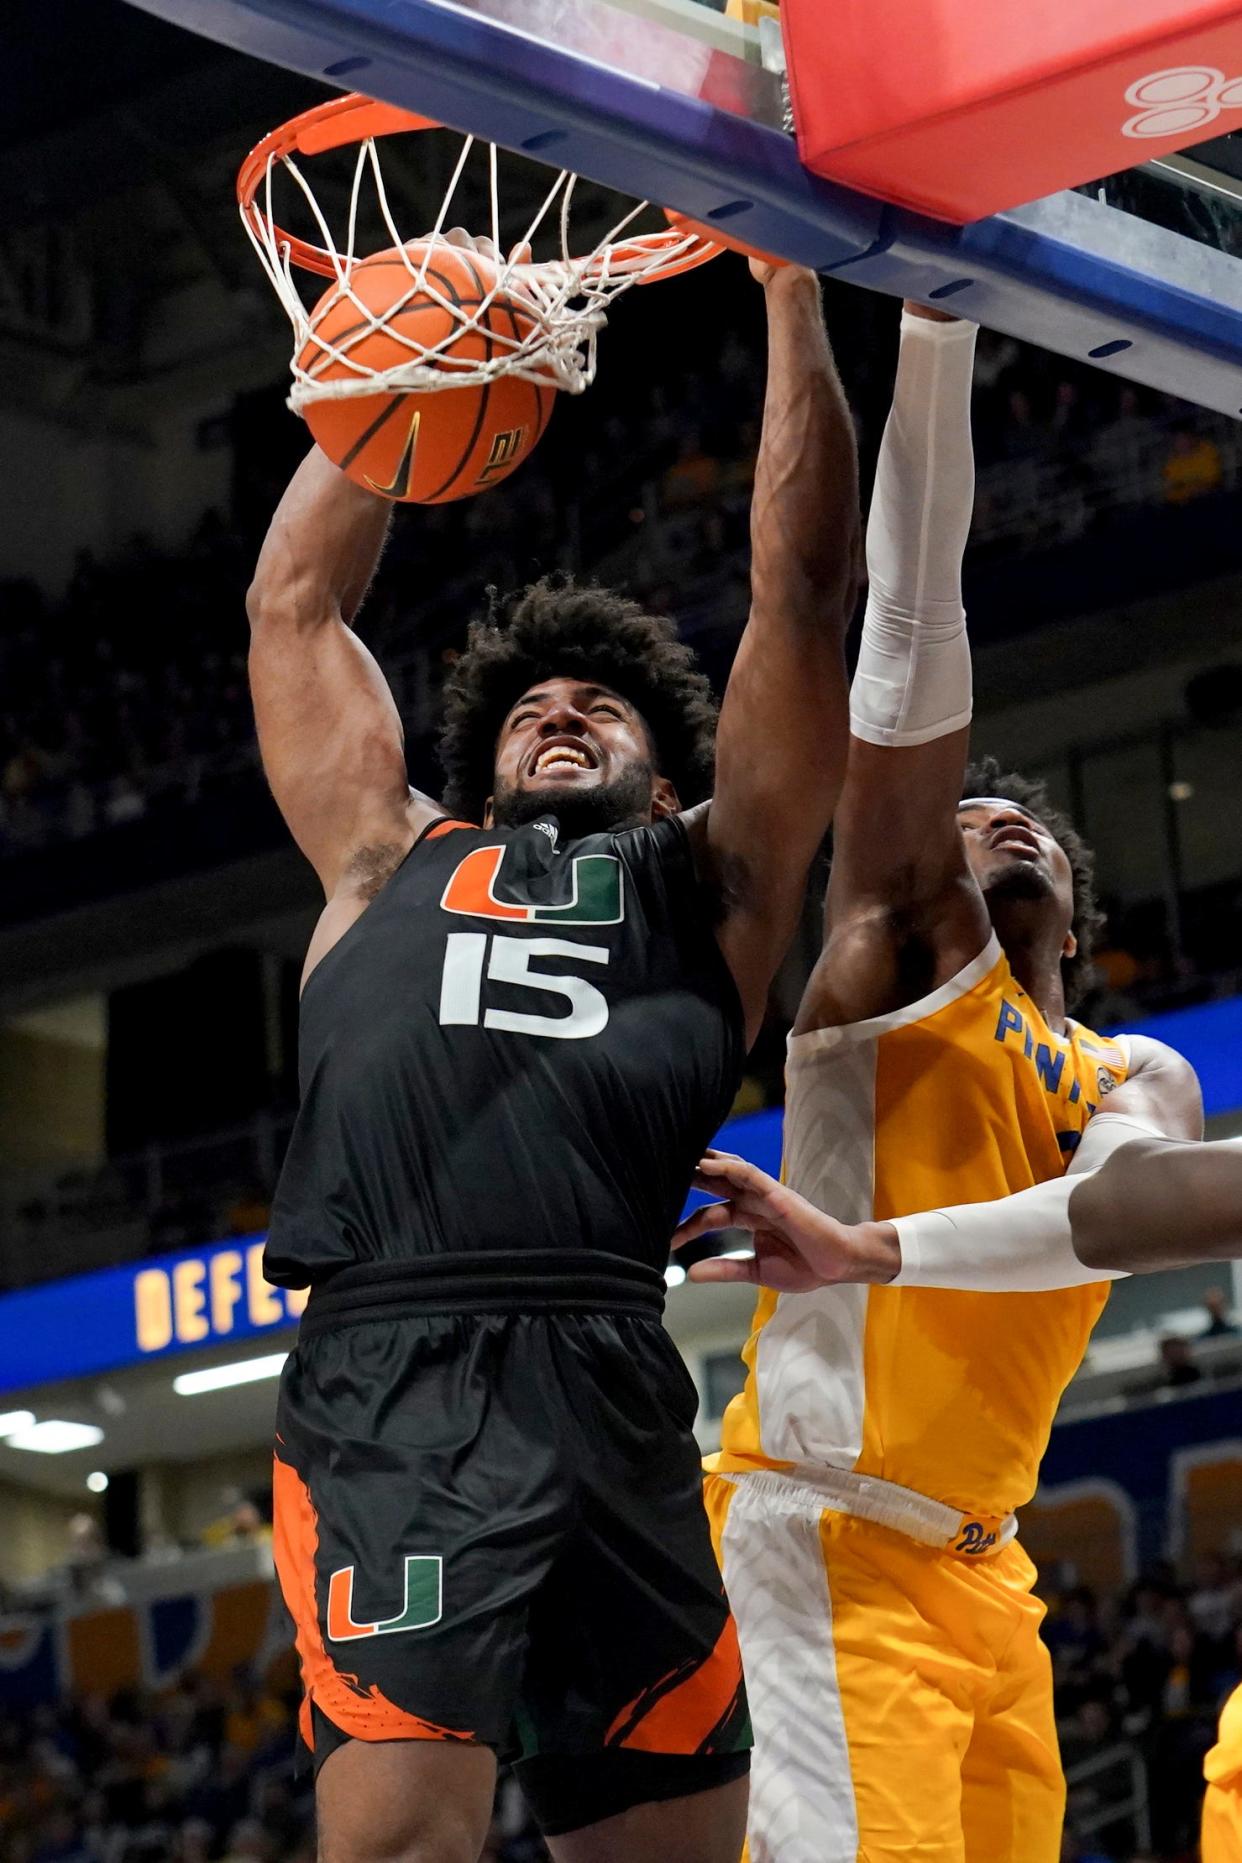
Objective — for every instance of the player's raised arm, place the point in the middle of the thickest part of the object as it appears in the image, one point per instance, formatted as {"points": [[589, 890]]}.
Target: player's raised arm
{"points": [[328, 727], [781, 744], [899, 876]]}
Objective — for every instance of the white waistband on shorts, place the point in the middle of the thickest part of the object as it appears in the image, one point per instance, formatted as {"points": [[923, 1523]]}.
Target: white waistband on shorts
{"points": [[808, 1492]]}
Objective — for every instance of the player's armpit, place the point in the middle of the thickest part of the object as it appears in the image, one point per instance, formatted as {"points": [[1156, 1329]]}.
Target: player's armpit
{"points": [[329, 730]]}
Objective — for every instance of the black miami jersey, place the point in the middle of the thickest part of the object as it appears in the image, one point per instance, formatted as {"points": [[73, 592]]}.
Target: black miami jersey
{"points": [[522, 1043]]}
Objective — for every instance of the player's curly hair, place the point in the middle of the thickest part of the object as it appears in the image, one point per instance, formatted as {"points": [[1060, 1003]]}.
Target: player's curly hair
{"points": [[559, 628], [987, 778]]}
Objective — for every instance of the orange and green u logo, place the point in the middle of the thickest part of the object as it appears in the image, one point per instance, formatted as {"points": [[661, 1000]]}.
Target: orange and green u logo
{"points": [[422, 1606], [595, 896]]}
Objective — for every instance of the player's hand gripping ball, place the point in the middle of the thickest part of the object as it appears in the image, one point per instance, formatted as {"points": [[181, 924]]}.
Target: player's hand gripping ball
{"points": [[424, 447]]}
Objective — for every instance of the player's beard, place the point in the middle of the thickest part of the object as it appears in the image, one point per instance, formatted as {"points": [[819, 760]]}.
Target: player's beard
{"points": [[598, 808], [1019, 881]]}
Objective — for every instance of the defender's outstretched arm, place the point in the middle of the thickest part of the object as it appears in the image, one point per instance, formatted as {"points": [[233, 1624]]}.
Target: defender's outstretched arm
{"points": [[781, 745], [1086, 1226], [329, 731], [1160, 1203], [903, 914]]}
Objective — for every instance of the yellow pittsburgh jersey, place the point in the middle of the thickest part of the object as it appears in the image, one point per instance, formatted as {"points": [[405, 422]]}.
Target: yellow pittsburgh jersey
{"points": [[965, 1096]]}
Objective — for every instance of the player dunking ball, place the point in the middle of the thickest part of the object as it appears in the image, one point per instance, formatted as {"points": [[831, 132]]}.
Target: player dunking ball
{"points": [[864, 1497], [516, 1037]]}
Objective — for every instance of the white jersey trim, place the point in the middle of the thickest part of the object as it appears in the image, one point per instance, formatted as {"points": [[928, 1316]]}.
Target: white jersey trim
{"points": [[805, 1047]]}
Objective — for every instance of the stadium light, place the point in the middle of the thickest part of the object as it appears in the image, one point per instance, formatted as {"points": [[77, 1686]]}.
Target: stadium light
{"points": [[13, 1420], [97, 1482], [220, 1377], [54, 1436]]}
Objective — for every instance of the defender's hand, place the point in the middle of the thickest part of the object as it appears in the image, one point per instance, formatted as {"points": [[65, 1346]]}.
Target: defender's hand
{"points": [[797, 1247]]}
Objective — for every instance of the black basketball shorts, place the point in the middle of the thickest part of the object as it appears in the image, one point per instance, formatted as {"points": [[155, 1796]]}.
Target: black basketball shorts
{"points": [[489, 1527]]}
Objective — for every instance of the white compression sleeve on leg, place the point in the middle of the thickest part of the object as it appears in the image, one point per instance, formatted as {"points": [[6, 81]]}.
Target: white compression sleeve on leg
{"points": [[1020, 1244], [912, 683]]}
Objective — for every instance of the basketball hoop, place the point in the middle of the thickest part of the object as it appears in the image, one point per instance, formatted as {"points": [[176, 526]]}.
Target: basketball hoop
{"points": [[566, 297]]}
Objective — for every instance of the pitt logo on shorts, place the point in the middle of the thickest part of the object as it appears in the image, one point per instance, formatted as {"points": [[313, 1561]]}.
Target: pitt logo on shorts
{"points": [[422, 1607]]}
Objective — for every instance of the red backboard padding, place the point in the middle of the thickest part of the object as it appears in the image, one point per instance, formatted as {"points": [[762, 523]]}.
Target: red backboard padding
{"points": [[960, 108]]}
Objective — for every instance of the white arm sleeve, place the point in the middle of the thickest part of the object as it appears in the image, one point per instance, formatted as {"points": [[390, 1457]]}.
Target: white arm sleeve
{"points": [[1017, 1245], [913, 683]]}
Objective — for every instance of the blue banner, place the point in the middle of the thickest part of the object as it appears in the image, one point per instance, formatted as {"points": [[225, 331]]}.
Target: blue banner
{"points": [[1210, 1037], [156, 1308]]}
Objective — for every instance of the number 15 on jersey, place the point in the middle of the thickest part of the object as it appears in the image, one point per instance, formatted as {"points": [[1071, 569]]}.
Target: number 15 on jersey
{"points": [[511, 960]]}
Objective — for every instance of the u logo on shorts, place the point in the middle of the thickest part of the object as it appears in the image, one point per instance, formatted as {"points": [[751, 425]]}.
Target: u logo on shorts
{"points": [[422, 1607]]}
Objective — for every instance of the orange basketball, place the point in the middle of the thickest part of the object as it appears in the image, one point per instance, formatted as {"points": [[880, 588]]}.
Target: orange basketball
{"points": [[428, 446]]}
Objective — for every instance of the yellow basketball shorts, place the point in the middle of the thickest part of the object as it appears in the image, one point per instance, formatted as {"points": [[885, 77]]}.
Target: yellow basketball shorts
{"points": [[1222, 1806], [900, 1693]]}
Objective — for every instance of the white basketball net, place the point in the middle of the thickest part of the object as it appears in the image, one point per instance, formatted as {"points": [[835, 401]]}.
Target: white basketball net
{"points": [[565, 298]]}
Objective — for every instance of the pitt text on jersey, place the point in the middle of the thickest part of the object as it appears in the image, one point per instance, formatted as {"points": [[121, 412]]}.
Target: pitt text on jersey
{"points": [[1049, 1065]]}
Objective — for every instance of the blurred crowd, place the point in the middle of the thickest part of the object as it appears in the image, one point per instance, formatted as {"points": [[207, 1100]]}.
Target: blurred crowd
{"points": [[1059, 449], [1151, 1667], [199, 1774], [204, 1771], [127, 696], [119, 698]]}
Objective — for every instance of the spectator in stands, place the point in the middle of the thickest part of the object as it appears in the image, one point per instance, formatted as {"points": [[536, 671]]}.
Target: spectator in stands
{"points": [[253, 1716], [192, 1843], [1121, 452], [1193, 467], [694, 475], [1177, 1362], [1072, 425], [248, 1843], [242, 1525], [1215, 1605], [1076, 1639], [86, 1557], [125, 802], [1219, 1312], [249, 1212], [1091, 1728]]}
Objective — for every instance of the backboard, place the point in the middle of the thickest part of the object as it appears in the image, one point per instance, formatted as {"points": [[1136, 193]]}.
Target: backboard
{"points": [[677, 102]]}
